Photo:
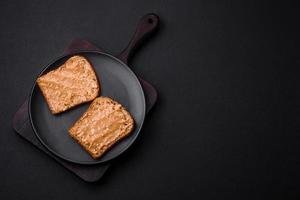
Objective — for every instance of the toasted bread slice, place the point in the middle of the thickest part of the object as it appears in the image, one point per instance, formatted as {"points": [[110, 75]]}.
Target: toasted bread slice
{"points": [[71, 84], [102, 125]]}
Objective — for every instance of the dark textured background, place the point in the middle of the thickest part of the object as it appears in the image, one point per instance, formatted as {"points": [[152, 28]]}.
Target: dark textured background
{"points": [[228, 117]]}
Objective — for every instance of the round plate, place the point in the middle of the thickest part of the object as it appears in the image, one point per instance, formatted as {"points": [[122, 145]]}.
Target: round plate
{"points": [[116, 81]]}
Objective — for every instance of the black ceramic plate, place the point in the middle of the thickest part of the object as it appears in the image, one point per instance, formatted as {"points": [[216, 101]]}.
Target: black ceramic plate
{"points": [[117, 81]]}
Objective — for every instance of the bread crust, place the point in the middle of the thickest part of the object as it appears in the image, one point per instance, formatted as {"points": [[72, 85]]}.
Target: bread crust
{"points": [[103, 124], [73, 83]]}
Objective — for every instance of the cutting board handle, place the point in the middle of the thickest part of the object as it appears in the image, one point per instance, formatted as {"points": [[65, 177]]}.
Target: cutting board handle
{"points": [[146, 26]]}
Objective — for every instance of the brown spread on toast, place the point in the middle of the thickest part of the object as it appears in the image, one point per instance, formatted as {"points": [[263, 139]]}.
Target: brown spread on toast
{"points": [[102, 125], [71, 84]]}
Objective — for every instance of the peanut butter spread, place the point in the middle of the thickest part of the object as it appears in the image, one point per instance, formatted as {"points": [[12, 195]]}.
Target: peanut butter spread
{"points": [[71, 84], [102, 125]]}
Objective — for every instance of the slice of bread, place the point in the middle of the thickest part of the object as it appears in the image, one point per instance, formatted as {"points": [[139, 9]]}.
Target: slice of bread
{"points": [[71, 84], [101, 126]]}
